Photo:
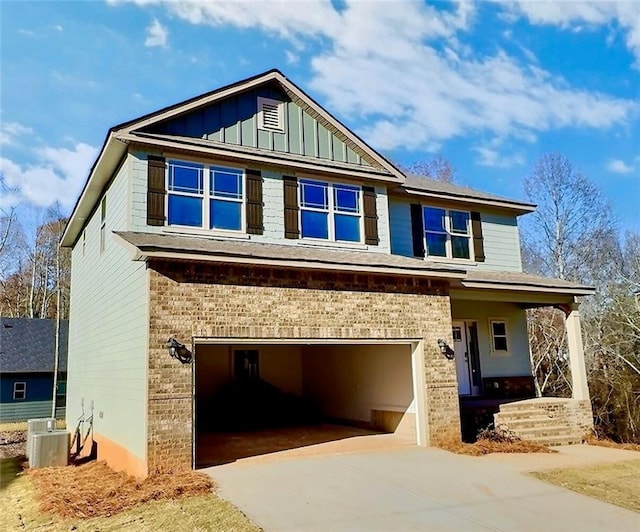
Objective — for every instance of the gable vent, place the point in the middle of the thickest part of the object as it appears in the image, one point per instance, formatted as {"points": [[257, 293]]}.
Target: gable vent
{"points": [[270, 114]]}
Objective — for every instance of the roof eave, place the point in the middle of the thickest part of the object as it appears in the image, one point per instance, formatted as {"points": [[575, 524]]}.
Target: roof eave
{"points": [[517, 207], [576, 290], [107, 161]]}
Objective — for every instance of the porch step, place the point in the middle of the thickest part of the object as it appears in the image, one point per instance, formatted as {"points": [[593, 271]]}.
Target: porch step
{"points": [[553, 441], [535, 405], [529, 422]]}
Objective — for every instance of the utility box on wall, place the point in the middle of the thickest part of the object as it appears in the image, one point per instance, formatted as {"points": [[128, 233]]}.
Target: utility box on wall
{"points": [[49, 449]]}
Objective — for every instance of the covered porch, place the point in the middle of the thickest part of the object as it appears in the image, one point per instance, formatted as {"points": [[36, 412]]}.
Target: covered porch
{"points": [[491, 347]]}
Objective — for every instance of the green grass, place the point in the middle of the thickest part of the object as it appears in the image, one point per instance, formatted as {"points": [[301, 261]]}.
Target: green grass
{"points": [[617, 483], [19, 511]]}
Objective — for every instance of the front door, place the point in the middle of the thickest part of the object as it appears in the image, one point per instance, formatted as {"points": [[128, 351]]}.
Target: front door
{"points": [[461, 350]]}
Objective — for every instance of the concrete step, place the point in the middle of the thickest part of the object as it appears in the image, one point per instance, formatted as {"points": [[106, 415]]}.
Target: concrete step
{"points": [[539, 405], [555, 440], [534, 434], [526, 423]]}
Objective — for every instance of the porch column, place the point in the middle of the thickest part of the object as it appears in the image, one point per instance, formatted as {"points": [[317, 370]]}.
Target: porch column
{"points": [[576, 352]]}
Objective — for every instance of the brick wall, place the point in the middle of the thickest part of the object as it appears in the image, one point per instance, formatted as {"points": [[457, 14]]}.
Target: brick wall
{"points": [[230, 301]]}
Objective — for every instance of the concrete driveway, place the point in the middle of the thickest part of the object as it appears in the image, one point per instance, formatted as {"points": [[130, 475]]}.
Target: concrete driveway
{"points": [[410, 489]]}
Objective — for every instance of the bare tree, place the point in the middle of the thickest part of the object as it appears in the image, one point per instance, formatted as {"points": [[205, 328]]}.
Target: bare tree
{"points": [[437, 168]]}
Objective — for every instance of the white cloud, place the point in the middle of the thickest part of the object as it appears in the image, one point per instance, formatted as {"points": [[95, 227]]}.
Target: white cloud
{"points": [[574, 14], [58, 175], [157, 35], [385, 68], [618, 166], [10, 131]]}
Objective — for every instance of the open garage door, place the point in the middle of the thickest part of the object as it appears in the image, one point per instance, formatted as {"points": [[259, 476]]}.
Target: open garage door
{"points": [[254, 399]]}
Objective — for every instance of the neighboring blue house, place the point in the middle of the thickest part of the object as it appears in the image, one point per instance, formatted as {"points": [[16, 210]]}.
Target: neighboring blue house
{"points": [[27, 356]]}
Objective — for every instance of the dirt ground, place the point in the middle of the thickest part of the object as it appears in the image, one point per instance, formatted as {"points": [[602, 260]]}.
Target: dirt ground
{"points": [[13, 443]]}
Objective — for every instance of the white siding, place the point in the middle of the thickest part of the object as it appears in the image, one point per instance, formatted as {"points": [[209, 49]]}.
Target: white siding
{"points": [[108, 329], [518, 361], [500, 233], [273, 213]]}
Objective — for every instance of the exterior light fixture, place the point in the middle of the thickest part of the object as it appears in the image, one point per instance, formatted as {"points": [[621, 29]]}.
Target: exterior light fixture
{"points": [[445, 349], [178, 351]]}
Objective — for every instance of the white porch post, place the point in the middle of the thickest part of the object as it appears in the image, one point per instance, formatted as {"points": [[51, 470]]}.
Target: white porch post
{"points": [[576, 352]]}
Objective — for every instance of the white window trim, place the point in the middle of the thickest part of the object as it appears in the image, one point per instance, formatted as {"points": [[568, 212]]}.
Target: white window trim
{"points": [[280, 107], [23, 391], [507, 337], [448, 230], [331, 240], [206, 197]]}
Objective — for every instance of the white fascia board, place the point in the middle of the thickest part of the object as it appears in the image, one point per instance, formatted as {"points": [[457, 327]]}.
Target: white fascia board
{"points": [[443, 196], [102, 171], [271, 160], [578, 291]]}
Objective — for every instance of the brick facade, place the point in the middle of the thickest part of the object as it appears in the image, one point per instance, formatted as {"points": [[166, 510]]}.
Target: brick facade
{"points": [[197, 300]]}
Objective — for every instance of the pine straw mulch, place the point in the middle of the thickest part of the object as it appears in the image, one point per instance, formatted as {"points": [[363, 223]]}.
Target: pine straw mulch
{"points": [[592, 439], [492, 441], [94, 489]]}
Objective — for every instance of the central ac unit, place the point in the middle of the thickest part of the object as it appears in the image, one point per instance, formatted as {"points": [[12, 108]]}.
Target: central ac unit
{"points": [[49, 449], [45, 424]]}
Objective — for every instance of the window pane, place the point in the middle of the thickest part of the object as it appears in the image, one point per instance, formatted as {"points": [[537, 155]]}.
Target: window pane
{"points": [[185, 210], [226, 184], [347, 227], [499, 328], [314, 195], [434, 219], [500, 343], [436, 244], [346, 198], [185, 177], [459, 222], [460, 247], [314, 224], [225, 215]]}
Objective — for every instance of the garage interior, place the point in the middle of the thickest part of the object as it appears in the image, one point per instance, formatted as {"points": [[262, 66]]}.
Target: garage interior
{"points": [[262, 398]]}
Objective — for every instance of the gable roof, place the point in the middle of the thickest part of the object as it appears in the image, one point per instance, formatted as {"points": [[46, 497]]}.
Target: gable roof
{"points": [[28, 345], [115, 144], [416, 185]]}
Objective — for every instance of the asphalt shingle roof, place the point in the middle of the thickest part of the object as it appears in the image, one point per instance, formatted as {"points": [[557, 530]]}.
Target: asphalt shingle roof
{"points": [[28, 345]]}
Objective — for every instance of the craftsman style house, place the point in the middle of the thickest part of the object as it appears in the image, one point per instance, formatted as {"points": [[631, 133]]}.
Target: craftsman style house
{"points": [[242, 260]]}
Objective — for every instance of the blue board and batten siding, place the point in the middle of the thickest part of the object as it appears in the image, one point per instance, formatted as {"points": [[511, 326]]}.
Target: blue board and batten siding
{"points": [[234, 120], [38, 397]]}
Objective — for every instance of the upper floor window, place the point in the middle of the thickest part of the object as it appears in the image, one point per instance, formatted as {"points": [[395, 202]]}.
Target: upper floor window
{"points": [[447, 233], [330, 211], [209, 197]]}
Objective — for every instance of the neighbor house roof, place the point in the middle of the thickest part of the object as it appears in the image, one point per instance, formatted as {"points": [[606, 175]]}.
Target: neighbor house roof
{"points": [[150, 245], [28, 345], [115, 144], [424, 186]]}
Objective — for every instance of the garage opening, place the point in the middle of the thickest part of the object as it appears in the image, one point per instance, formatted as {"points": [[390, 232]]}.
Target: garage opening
{"points": [[263, 398]]}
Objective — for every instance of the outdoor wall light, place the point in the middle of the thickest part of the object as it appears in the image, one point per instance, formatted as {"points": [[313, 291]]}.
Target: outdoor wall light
{"points": [[445, 349], [178, 351]]}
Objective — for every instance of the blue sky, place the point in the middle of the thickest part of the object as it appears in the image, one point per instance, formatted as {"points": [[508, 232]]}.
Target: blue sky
{"points": [[489, 85]]}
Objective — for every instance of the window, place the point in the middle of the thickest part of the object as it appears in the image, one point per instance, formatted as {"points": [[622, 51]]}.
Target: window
{"points": [[330, 211], [103, 219], [447, 233], [19, 391], [499, 336], [208, 197], [270, 114]]}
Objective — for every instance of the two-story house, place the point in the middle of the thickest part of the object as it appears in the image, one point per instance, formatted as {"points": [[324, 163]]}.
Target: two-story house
{"points": [[291, 264]]}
